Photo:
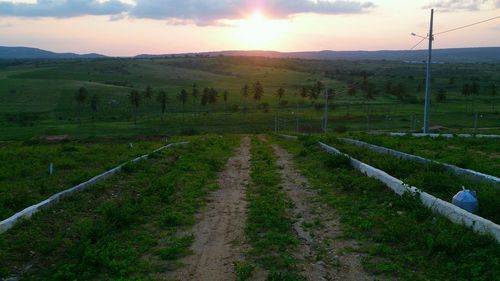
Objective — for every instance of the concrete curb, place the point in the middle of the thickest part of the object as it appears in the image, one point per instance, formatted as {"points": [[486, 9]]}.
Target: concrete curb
{"points": [[28, 212], [454, 169], [479, 136], [288, 137], [450, 211]]}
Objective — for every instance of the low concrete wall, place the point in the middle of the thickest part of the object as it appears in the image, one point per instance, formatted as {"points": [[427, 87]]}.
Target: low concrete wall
{"points": [[30, 211], [454, 169], [288, 137], [479, 136], [450, 211]]}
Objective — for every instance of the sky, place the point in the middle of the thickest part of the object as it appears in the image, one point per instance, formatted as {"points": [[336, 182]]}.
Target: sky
{"points": [[131, 27]]}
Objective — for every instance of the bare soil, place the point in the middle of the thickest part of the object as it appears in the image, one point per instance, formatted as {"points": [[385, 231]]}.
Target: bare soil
{"points": [[219, 236], [325, 254]]}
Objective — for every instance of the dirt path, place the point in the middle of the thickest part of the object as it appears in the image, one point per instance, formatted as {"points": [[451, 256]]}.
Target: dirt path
{"points": [[326, 255], [219, 235]]}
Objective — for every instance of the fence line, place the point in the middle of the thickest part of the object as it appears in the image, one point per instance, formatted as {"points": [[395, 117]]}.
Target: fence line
{"points": [[28, 212], [456, 170]]}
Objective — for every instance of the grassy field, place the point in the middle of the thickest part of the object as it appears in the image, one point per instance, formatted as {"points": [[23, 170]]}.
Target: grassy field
{"points": [[482, 155], [37, 97], [128, 227], [433, 179], [24, 167], [402, 239]]}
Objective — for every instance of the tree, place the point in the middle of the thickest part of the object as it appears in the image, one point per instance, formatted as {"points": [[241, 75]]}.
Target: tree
{"points": [[148, 93], [474, 89], [258, 91], [81, 97], [466, 93], [280, 93], [94, 103], [135, 99], [162, 99], [441, 96], [304, 92], [351, 92], [205, 97], [225, 96], [195, 93], [213, 95], [493, 93], [183, 98], [245, 92]]}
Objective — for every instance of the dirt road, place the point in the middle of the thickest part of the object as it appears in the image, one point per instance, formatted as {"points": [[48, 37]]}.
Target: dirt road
{"points": [[219, 236]]}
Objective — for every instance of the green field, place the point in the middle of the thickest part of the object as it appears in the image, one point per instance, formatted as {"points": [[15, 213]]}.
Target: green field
{"points": [[477, 154], [24, 167], [282, 211], [37, 97]]}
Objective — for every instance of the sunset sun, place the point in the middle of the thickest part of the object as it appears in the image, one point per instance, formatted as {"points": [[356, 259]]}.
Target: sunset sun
{"points": [[258, 31]]}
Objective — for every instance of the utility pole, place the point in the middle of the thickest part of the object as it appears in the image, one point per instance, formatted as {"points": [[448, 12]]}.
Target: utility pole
{"points": [[428, 83], [325, 117]]}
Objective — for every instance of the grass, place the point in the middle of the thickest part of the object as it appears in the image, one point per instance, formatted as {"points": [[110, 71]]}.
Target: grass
{"points": [[477, 154], [432, 178], [269, 225], [24, 167], [124, 228], [403, 240], [24, 115]]}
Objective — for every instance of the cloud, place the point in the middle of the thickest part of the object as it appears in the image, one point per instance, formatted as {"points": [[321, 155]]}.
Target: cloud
{"points": [[201, 12], [63, 8], [207, 12], [462, 5]]}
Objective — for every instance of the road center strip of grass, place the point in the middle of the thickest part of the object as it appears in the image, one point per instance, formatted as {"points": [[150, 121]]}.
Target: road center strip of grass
{"points": [[125, 227], [403, 239], [269, 225]]}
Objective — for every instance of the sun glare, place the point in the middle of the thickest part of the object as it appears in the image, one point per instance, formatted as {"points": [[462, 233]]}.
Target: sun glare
{"points": [[259, 32]]}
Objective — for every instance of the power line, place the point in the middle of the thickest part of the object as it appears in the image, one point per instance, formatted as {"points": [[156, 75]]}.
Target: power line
{"points": [[412, 48], [465, 26]]}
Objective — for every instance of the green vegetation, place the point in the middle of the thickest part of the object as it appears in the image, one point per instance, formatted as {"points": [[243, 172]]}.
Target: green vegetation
{"points": [[24, 167], [127, 227], [402, 239], [434, 178], [269, 225], [365, 94], [482, 155]]}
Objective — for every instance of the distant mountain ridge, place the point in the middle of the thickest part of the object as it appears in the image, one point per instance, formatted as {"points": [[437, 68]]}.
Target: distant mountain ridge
{"points": [[34, 53], [458, 55]]}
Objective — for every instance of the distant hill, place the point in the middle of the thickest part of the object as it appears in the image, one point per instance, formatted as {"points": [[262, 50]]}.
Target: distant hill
{"points": [[464, 55], [459, 55], [34, 53]]}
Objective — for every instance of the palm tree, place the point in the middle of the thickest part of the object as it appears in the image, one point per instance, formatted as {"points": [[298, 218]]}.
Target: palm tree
{"points": [[245, 92], [258, 91], [493, 93], [94, 103], [148, 93], [195, 93], [81, 97], [280, 93], [351, 92], [213, 95], [183, 97], [225, 96], [135, 99], [304, 92], [466, 93], [162, 99]]}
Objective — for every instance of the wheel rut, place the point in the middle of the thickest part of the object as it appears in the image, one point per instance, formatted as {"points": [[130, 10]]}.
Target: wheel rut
{"points": [[219, 235], [325, 254]]}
